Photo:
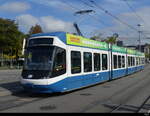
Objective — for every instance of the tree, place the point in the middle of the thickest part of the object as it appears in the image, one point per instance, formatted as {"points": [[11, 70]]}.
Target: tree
{"points": [[97, 37], [94, 38], [35, 29], [111, 40], [147, 55], [10, 38]]}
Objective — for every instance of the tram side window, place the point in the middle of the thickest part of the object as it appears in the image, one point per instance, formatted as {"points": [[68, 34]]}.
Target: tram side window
{"points": [[133, 61], [119, 61], [96, 62], [143, 61], [115, 61], [136, 60], [104, 62], [123, 61], [87, 62], [75, 62], [129, 61], [59, 66], [139, 61]]}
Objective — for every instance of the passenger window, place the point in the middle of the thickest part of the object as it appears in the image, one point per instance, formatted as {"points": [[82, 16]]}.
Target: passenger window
{"points": [[115, 61], [119, 61], [87, 62], [104, 62], [136, 60], [143, 61], [139, 61], [75, 62], [123, 61], [59, 66], [96, 62], [133, 61], [129, 61]]}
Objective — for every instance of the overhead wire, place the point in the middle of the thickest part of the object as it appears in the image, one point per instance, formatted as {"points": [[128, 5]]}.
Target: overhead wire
{"points": [[132, 9], [91, 16], [136, 14], [105, 11], [87, 4], [115, 17], [110, 14]]}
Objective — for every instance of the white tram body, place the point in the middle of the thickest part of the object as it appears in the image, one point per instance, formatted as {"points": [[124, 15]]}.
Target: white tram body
{"points": [[60, 62]]}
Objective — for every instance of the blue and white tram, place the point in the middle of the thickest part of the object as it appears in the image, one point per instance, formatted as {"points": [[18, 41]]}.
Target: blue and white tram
{"points": [[60, 62]]}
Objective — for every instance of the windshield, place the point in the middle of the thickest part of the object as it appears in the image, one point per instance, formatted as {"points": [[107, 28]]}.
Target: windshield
{"points": [[38, 58]]}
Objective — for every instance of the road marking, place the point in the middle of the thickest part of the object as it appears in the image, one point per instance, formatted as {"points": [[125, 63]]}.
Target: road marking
{"points": [[5, 93]]}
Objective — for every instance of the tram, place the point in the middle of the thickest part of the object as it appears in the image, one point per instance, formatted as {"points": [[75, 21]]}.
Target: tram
{"points": [[61, 62]]}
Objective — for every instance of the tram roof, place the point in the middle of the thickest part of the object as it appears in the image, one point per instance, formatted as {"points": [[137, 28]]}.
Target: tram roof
{"points": [[76, 40]]}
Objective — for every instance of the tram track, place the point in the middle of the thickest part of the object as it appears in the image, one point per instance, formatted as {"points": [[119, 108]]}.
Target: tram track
{"points": [[144, 104], [26, 98], [131, 108], [21, 98], [14, 101], [131, 88]]}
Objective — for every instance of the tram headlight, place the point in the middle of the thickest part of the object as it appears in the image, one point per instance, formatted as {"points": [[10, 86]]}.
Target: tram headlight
{"points": [[30, 76]]}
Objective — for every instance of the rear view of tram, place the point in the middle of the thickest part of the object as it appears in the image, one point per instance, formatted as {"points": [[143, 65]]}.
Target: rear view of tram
{"points": [[44, 61]]}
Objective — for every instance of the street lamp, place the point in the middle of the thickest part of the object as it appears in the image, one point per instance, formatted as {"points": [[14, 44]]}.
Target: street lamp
{"points": [[139, 25]]}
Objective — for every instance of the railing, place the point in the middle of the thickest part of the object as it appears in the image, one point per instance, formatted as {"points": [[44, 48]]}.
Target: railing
{"points": [[10, 63]]}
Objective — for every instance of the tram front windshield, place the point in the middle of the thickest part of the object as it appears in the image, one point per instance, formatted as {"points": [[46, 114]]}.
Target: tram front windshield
{"points": [[39, 58]]}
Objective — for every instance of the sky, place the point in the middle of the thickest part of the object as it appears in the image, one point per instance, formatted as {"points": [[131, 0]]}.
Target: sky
{"points": [[59, 15]]}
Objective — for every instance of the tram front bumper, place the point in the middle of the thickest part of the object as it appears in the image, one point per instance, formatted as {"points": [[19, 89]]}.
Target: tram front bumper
{"points": [[37, 88]]}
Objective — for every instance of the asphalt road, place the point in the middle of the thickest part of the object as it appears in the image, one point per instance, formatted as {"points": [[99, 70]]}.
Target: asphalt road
{"points": [[128, 94]]}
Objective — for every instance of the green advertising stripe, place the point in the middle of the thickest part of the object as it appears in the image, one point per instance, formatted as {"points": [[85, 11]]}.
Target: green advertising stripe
{"points": [[84, 42], [130, 51], [118, 49], [80, 41]]}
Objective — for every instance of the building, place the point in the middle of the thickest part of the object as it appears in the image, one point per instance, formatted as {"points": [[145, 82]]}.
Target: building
{"points": [[143, 48], [147, 52], [131, 47], [119, 43]]}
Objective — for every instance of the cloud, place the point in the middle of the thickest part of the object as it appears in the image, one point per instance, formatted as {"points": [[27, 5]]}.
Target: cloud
{"points": [[128, 35], [14, 7], [48, 23], [26, 21], [53, 3], [51, 24]]}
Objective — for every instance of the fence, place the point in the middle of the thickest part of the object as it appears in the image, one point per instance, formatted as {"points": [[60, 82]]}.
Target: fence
{"points": [[11, 63]]}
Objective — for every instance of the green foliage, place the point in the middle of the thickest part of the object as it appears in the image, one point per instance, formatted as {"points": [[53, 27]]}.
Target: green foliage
{"points": [[97, 37], [147, 55], [10, 38], [111, 40], [35, 29], [94, 38]]}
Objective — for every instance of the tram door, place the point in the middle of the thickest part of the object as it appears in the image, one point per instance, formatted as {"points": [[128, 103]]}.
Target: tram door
{"points": [[110, 63]]}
